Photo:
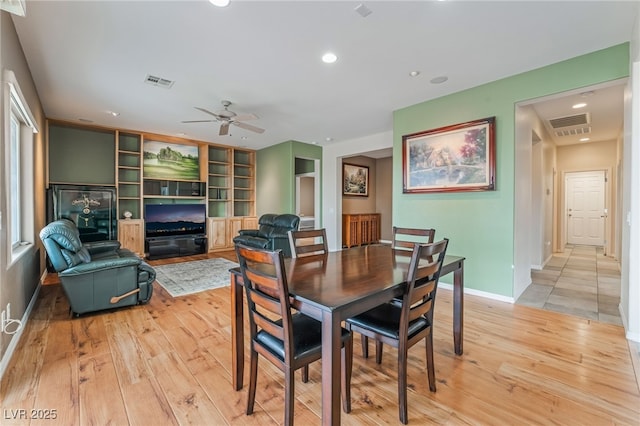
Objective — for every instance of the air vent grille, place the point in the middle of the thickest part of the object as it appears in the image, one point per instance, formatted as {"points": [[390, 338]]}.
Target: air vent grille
{"points": [[574, 131], [569, 121], [158, 81]]}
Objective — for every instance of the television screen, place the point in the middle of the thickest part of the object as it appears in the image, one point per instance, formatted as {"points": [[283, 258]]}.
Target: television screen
{"points": [[164, 220]]}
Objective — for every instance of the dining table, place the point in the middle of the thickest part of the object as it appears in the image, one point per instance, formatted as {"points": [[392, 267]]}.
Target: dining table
{"points": [[334, 287]]}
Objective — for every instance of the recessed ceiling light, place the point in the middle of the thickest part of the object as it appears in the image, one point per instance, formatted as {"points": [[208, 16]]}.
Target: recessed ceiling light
{"points": [[113, 113], [244, 138], [414, 73], [440, 79], [328, 139], [580, 105], [219, 3], [584, 139], [329, 58]]}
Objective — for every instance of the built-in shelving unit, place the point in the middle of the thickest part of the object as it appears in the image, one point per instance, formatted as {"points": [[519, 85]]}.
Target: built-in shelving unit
{"points": [[243, 183], [129, 169], [226, 183], [219, 181]]}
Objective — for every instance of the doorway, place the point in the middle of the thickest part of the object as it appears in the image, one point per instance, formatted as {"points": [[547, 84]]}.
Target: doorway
{"points": [[585, 207]]}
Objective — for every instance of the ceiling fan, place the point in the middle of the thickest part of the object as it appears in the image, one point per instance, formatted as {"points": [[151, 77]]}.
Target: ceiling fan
{"points": [[226, 118]]}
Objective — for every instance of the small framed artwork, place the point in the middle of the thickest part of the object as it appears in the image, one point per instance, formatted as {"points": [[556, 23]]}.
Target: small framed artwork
{"points": [[454, 158], [355, 180]]}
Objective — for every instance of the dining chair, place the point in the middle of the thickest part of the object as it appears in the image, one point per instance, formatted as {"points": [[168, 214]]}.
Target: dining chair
{"points": [[289, 340], [307, 243], [405, 325], [405, 238]]}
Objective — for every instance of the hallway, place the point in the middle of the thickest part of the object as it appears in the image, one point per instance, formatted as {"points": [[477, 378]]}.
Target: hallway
{"points": [[581, 282]]}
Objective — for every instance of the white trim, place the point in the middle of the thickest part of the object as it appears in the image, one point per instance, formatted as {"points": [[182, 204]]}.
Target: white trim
{"points": [[16, 94], [473, 292], [6, 358]]}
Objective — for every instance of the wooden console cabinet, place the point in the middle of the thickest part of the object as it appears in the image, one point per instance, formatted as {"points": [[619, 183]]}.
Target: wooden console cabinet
{"points": [[359, 229], [131, 235]]}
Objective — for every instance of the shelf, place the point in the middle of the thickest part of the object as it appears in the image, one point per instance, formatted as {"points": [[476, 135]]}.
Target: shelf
{"points": [[129, 157], [173, 189]]}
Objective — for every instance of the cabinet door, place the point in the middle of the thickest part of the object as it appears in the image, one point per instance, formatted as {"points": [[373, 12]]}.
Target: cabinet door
{"points": [[217, 233], [233, 229], [249, 223], [131, 235]]}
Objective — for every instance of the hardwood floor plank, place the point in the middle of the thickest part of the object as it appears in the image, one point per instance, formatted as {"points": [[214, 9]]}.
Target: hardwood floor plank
{"points": [[188, 401], [98, 406]]}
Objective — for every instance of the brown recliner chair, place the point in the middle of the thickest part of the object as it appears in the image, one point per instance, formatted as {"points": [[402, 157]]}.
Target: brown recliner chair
{"points": [[96, 276]]}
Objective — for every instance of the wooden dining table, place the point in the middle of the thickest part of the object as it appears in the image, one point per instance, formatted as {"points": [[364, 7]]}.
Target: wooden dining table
{"points": [[338, 286]]}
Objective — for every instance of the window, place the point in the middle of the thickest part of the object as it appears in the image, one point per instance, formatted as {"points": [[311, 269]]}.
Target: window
{"points": [[14, 178], [20, 128]]}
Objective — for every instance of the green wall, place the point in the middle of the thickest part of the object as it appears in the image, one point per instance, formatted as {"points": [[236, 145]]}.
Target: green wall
{"points": [[275, 175], [480, 225], [78, 155]]}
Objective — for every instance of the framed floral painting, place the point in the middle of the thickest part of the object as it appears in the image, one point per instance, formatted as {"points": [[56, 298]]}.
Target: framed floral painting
{"points": [[455, 158], [355, 180]]}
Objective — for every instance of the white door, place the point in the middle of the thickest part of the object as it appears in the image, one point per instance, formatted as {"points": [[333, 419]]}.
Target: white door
{"points": [[585, 207]]}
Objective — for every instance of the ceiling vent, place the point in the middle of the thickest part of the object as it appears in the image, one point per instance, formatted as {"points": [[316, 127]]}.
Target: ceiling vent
{"points": [[571, 125], [158, 81]]}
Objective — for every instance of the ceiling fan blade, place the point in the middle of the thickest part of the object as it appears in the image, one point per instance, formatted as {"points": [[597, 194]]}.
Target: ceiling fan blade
{"points": [[245, 117], [248, 127], [224, 128], [199, 121], [206, 111]]}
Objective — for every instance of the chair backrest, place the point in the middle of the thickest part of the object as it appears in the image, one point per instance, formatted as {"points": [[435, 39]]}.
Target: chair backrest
{"points": [[265, 283], [61, 240], [307, 243], [422, 282], [405, 238]]}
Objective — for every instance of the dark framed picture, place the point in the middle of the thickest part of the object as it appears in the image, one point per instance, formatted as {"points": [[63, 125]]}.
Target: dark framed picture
{"points": [[453, 158], [355, 180]]}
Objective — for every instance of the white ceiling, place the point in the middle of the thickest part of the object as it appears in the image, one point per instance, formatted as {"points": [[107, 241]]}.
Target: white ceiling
{"points": [[91, 57]]}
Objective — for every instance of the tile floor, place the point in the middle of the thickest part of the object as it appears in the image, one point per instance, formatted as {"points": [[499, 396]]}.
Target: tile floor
{"points": [[581, 282]]}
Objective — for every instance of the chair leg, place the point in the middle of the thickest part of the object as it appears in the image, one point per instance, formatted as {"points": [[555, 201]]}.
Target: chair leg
{"points": [[431, 369], [305, 373], [365, 346], [289, 388], [347, 367], [402, 384], [253, 376], [378, 352]]}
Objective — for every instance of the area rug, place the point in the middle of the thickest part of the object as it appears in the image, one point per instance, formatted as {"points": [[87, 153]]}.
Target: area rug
{"points": [[183, 278]]}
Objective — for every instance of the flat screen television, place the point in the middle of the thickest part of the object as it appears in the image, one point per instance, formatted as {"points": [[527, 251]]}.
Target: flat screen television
{"points": [[166, 220]]}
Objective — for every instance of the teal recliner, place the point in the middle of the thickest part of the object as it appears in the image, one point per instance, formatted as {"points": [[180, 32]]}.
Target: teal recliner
{"points": [[96, 275], [272, 234]]}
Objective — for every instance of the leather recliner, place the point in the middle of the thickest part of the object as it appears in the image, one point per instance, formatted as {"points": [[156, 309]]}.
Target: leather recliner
{"points": [[96, 275], [272, 233]]}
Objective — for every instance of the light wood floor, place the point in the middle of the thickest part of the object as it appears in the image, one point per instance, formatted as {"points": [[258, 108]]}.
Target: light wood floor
{"points": [[168, 362]]}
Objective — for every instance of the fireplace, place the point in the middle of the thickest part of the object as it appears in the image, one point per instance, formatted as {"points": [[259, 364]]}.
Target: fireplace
{"points": [[92, 208]]}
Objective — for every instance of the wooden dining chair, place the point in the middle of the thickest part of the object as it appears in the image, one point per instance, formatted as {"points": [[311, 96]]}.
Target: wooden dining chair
{"points": [[404, 326], [405, 238], [307, 243], [288, 340]]}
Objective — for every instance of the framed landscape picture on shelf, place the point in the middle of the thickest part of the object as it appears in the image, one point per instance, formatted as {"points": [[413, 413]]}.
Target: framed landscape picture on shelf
{"points": [[164, 160], [355, 180], [454, 158]]}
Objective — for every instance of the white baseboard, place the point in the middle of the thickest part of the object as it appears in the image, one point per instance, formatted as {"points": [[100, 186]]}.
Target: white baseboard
{"points": [[4, 363], [484, 294]]}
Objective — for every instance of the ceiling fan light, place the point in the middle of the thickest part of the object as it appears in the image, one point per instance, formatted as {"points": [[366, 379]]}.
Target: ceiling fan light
{"points": [[219, 3]]}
